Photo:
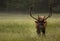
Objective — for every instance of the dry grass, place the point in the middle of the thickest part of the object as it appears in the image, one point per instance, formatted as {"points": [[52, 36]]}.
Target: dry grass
{"points": [[19, 28]]}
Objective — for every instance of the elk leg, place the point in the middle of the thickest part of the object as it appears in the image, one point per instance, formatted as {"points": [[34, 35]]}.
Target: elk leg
{"points": [[38, 31], [43, 31]]}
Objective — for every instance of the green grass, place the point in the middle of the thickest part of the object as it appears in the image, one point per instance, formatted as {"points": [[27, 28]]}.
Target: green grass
{"points": [[20, 27]]}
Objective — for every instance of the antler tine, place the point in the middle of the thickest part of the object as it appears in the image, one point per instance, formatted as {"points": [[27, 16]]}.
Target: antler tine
{"points": [[50, 12], [30, 9]]}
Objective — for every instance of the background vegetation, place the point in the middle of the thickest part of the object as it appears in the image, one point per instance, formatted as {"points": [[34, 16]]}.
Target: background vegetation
{"points": [[23, 5]]}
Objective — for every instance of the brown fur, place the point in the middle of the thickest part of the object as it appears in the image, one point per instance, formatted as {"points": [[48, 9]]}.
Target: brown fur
{"points": [[38, 26]]}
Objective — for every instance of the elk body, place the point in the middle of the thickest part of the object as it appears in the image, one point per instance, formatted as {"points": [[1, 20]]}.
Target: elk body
{"points": [[41, 22], [41, 25]]}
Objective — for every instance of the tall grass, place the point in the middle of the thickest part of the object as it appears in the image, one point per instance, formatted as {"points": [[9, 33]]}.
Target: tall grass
{"points": [[22, 28]]}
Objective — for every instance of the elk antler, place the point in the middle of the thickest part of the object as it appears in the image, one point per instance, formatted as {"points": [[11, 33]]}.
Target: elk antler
{"points": [[30, 9], [50, 12]]}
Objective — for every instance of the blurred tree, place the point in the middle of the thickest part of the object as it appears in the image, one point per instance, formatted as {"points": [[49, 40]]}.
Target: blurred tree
{"points": [[23, 5], [3, 3]]}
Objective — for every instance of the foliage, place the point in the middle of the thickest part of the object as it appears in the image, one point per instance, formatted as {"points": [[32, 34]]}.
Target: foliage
{"points": [[23, 5]]}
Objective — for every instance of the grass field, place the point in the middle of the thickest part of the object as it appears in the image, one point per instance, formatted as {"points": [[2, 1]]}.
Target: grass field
{"points": [[21, 27]]}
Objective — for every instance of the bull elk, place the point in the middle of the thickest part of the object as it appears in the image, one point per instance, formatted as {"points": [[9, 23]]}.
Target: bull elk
{"points": [[41, 21]]}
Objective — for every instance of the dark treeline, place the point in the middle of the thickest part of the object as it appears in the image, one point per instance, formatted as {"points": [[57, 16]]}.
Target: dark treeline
{"points": [[23, 5]]}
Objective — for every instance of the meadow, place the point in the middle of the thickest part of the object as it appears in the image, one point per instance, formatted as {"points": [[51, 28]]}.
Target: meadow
{"points": [[21, 27]]}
